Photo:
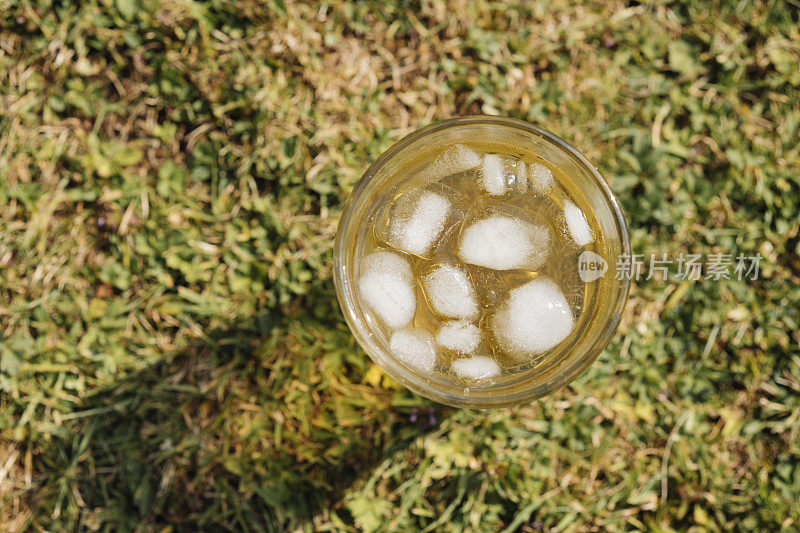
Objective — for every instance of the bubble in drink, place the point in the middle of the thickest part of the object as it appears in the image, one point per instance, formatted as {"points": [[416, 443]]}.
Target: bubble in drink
{"points": [[459, 336], [387, 286], [578, 226], [534, 318], [414, 347], [450, 292], [503, 243], [476, 368]]}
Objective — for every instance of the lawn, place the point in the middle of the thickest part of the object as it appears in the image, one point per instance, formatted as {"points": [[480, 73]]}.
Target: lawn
{"points": [[172, 355]]}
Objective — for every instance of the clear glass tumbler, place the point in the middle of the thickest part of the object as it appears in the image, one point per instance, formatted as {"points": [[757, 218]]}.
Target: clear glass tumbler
{"points": [[602, 307]]}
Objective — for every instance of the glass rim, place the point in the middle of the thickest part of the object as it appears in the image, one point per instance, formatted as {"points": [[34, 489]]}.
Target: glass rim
{"points": [[573, 365]]}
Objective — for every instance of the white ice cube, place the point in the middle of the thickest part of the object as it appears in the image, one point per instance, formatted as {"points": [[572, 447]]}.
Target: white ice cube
{"points": [[476, 368], [534, 318], [540, 178], [416, 230], [503, 243], [492, 177], [500, 175], [459, 336], [457, 158], [450, 292], [414, 347], [578, 226], [522, 177], [387, 287]]}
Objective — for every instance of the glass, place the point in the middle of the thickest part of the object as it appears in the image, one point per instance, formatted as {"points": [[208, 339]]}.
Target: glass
{"points": [[603, 304]]}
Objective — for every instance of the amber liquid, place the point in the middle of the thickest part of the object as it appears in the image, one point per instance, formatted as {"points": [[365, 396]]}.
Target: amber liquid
{"points": [[471, 203]]}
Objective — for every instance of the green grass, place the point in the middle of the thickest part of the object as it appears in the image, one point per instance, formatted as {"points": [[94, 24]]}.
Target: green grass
{"points": [[172, 356]]}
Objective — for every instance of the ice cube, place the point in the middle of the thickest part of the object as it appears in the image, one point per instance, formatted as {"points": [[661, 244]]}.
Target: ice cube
{"points": [[415, 227], [387, 287], [476, 368], [578, 226], [502, 243], [521, 173], [500, 175], [414, 347], [459, 336], [534, 318], [457, 158], [492, 177], [540, 178], [450, 292]]}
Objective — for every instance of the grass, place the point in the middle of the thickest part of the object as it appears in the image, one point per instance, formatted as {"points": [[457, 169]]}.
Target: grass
{"points": [[172, 356]]}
